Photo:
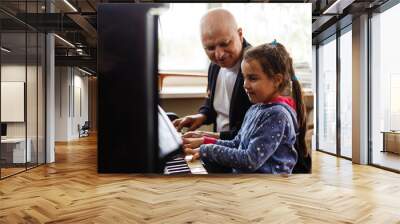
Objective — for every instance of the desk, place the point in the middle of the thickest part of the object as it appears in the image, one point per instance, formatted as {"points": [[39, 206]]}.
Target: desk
{"points": [[391, 141], [13, 150]]}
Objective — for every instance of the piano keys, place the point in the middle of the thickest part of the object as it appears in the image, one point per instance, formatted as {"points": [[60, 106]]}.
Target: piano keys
{"points": [[184, 165]]}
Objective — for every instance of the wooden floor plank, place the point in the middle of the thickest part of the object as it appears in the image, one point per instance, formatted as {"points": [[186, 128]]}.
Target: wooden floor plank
{"points": [[71, 191]]}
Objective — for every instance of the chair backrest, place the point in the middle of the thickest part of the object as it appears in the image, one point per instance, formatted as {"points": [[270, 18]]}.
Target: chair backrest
{"points": [[86, 125]]}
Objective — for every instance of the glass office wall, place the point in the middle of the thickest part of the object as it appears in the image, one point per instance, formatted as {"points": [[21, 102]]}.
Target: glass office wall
{"points": [[13, 87], [326, 97], [41, 88], [31, 100], [22, 91], [35, 87], [346, 93], [41, 91], [335, 74], [14, 152], [385, 89]]}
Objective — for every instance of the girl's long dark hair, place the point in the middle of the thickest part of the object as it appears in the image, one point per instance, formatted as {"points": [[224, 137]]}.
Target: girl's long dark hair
{"points": [[274, 59]]}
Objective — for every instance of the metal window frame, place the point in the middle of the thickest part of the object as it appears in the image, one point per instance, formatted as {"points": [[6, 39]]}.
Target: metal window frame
{"points": [[334, 37], [328, 39], [44, 73], [387, 5], [381, 9]]}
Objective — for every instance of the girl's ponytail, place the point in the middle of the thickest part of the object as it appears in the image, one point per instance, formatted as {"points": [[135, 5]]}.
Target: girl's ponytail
{"points": [[297, 94]]}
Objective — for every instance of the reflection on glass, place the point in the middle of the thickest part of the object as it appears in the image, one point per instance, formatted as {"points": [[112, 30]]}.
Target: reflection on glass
{"points": [[346, 94], [41, 98], [31, 101], [327, 97], [385, 86], [22, 90], [32, 83], [13, 83]]}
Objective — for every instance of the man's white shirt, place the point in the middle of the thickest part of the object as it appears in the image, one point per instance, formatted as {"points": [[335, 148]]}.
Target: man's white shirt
{"points": [[223, 94]]}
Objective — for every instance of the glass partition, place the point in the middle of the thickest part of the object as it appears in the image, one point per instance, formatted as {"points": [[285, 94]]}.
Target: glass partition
{"points": [[31, 99], [41, 91], [22, 88], [346, 94], [327, 96], [13, 91], [385, 89]]}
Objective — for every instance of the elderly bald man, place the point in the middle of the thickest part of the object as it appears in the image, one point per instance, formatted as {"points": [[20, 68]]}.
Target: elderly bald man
{"points": [[227, 101]]}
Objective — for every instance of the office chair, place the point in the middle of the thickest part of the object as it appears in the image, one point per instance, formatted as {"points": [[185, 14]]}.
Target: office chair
{"points": [[84, 130]]}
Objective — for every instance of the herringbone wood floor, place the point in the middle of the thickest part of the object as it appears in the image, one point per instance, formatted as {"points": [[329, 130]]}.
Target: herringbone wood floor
{"points": [[71, 191]]}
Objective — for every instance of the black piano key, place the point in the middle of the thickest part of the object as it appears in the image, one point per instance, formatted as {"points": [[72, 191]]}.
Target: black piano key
{"points": [[180, 171]]}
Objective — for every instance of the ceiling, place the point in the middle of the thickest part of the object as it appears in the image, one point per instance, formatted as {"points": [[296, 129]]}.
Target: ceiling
{"points": [[76, 22]]}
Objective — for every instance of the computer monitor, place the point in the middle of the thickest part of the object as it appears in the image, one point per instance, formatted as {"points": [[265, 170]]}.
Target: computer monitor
{"points": [[3, 130], [127, 90]]}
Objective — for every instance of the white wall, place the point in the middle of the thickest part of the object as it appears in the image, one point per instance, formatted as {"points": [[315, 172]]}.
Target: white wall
{"points": [[33, 126], [71, 93], [80, 84], [12, 73], [61, 103]]}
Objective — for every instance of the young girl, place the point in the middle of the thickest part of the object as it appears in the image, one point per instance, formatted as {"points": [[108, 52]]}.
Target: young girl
{"points": [[266, 140]]}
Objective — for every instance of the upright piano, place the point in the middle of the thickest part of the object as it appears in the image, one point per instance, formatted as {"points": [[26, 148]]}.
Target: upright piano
{"points": [[170, 145]]}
